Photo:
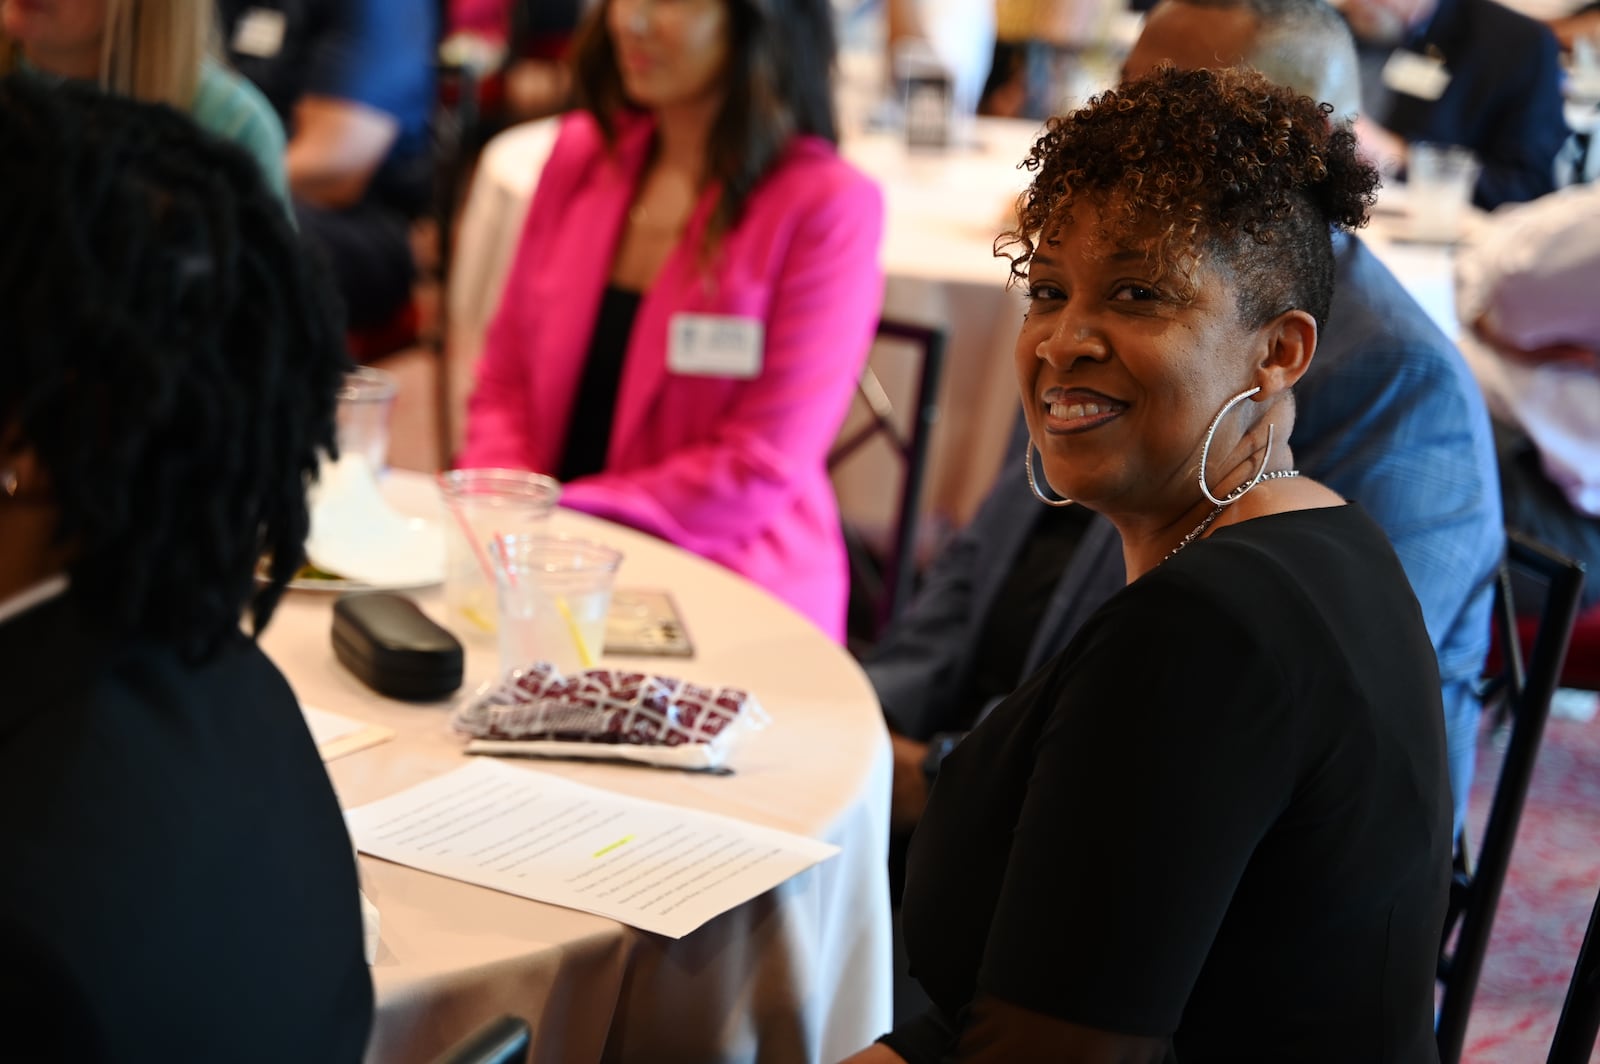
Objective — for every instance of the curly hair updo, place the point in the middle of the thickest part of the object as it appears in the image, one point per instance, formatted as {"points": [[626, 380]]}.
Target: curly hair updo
{"points": [[1216, 166]]}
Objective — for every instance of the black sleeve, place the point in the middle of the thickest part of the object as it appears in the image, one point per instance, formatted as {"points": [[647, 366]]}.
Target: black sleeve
{"points": [[927, 1039], [1174, 761]]}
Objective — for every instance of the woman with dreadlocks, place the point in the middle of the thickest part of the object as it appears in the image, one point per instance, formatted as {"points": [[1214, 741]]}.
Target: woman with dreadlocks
{"points": [[177, 882]]}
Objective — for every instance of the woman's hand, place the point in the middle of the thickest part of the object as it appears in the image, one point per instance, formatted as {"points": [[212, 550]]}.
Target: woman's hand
{"points": [[876, 1053], [1484, 328]]}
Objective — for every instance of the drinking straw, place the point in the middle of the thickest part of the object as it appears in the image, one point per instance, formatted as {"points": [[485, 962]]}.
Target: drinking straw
{"points": [[585, 658], [501, 556], [472, 537]]}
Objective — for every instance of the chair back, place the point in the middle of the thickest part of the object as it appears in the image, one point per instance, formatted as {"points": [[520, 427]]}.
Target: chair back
{"points": [[883, 569], [504, 1040], [454, 130], [1526, 688], [1580, 1014]]}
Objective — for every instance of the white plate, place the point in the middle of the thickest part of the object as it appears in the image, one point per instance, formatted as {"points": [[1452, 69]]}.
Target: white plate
{"points": [[339, 584], [354, 532]]}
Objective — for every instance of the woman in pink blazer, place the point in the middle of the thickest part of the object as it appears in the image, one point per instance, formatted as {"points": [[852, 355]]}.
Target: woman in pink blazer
{"points": [[694, 294]]}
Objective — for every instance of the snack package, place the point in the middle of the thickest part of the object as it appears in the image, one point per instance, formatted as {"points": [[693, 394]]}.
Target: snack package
{"points": [[609, 714]]}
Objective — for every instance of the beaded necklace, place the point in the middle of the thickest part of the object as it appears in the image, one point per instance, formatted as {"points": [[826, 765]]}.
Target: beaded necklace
{"points": [[1214, 514]]}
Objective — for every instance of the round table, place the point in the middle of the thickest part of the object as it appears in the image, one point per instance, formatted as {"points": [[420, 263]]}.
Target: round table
{"points": [[800, 973]]}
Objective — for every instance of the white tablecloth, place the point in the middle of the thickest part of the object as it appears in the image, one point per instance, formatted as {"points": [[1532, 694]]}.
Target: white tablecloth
{"points": [[798, 974], [944, 212]]}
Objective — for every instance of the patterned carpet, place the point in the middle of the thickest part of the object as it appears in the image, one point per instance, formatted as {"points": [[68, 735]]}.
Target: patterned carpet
{"points": [[1554, 876]]}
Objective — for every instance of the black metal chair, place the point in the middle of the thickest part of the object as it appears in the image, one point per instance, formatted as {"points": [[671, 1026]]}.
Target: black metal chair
{"points": [[1580, 1014], [1525, 691], [454, 135], [504, 1040], [882, 580]]}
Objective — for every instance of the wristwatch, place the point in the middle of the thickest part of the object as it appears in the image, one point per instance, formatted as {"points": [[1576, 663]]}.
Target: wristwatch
{"points": [[939, 748]]}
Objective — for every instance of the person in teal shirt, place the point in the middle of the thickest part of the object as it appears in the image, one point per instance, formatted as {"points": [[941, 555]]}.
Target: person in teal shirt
{"points": [[151, 51]]}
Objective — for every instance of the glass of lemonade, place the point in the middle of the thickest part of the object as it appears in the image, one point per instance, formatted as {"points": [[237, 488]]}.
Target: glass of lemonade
{"points": [[486, 503], [553, 593]]}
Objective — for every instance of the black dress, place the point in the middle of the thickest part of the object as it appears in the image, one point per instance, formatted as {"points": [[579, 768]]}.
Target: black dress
{"points": [[177, 882], [1221, 814]]}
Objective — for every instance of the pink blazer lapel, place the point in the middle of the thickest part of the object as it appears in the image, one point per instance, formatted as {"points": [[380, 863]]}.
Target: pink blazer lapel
{"points": [[574, 274], [682, 285]]}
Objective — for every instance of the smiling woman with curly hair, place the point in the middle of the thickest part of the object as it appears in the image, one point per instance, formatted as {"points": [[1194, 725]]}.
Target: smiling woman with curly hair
{"points": [[1216, 827]]}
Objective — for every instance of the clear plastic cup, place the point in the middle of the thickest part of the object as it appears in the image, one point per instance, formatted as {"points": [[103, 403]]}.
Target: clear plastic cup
{"points": [[366, 401], [553, 593], [1439, 183], [483, 504]]}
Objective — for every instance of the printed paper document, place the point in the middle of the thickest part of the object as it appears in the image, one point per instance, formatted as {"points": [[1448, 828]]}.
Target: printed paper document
{"points": [[656, 867]]}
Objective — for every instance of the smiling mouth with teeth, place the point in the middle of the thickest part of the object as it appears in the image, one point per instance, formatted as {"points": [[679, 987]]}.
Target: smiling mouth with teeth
{"points": [[1073, 411]]}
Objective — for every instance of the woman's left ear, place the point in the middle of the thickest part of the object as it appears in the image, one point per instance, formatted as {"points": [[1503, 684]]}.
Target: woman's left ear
{"points": [[1290, 340]]}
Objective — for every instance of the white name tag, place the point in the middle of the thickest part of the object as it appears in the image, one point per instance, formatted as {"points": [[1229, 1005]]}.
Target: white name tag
{"points": [[259, 33], [1416, 75], [714, 345]]}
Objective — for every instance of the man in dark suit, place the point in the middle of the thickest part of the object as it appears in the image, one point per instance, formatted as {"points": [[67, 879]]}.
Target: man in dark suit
{"points": [[1466, 72]]}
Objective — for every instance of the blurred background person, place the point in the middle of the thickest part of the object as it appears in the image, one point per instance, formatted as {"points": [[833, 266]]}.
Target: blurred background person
{"points": [[1051, 55], [352, 81], [178, 882], [694, 293], [522, 51], [151, 50], [1525, 287], [1236, 767], [1583, 22], [1467, 72]]}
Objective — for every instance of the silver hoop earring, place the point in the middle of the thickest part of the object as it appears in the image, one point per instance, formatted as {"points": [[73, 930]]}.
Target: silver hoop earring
{"points": [[9, 481], [1205, 451], [1033, 485]]}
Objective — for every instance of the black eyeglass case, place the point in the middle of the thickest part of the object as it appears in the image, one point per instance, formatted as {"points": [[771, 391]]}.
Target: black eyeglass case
{"points": [[394, 648]]}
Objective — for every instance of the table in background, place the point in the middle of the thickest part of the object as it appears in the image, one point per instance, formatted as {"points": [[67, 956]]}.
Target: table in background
{"points": [[800, 973]]}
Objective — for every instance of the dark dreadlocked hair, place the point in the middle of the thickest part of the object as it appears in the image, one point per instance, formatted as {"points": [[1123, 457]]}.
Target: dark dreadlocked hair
{"points": [[171, 355], [1206, 161]]}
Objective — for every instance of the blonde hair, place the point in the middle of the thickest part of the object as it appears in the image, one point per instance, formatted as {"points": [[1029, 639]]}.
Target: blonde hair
{"points": [[151, 50]]}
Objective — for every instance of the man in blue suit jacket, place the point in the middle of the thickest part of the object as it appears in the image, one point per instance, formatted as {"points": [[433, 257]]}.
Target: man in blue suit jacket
{"points": [[1467, 72], [1388, 416]]}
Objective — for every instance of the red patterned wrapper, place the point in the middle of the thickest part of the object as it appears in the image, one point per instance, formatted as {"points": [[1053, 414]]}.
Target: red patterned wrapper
{"points": [[607, 706]]}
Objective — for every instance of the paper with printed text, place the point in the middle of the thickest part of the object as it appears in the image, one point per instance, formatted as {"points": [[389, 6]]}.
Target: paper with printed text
{"points": [[653, 866]]}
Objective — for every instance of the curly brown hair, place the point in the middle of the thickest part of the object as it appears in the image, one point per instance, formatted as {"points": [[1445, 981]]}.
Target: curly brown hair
{"points": [[1197, 164]]}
